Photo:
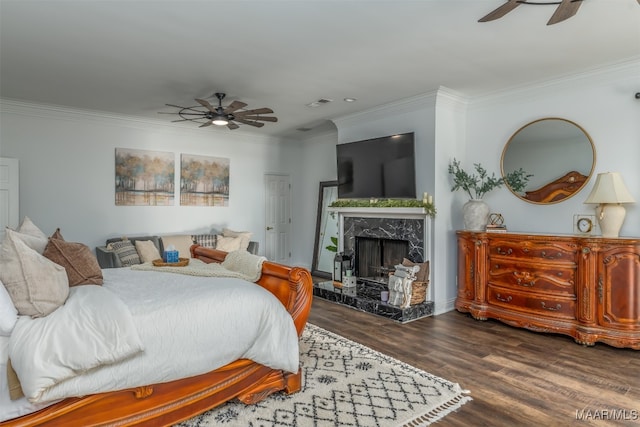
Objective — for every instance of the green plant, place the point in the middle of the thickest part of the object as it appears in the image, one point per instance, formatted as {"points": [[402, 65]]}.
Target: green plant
{"points": [[478, 184], [429, 208], [334, 245]]}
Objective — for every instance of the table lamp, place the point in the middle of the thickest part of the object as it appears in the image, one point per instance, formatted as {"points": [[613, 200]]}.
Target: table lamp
{"points": [[609, 193]]}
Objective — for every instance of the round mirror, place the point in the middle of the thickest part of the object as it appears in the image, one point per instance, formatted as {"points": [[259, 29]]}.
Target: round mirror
{"points": [[558, 155]]}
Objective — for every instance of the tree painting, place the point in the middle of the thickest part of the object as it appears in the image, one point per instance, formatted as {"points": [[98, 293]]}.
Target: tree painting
{"points": [[144, 178], [204, 181]]}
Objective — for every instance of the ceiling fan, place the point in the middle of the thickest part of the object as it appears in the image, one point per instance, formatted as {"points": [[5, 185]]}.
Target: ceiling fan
{"points": [[565, 10], [208, 115]]}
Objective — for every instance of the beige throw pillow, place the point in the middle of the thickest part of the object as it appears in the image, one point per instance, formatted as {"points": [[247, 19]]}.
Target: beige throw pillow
{"points": [[147, 250], [244, 235], [182, 243], [228, 244], [37, 286]]}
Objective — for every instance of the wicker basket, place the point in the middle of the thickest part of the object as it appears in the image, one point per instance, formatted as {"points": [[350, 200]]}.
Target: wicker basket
{"points": [[419, 292]]}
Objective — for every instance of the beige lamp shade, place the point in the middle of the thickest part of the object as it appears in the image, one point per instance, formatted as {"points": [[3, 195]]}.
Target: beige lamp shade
{"points": [[609, 188], [609, 193]]}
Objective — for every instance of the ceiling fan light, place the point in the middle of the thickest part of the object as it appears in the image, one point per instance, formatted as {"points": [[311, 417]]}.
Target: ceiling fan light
{"points": [[220, 121]]}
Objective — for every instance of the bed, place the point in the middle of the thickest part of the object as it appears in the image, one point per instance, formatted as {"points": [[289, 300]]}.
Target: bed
{"points": [[166, 403]]}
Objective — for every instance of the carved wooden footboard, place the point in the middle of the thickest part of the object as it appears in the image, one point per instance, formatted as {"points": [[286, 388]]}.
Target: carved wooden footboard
{"points": [[168, 403]]}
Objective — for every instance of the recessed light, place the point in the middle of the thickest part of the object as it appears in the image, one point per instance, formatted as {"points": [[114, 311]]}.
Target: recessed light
{"points": [[350, 100]]}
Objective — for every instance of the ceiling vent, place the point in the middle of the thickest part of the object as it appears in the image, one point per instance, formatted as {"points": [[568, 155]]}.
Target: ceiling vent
{"points": [[319, 102]]}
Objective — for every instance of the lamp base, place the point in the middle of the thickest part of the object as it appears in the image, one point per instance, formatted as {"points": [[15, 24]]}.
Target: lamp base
{"points": [[610, 217]]}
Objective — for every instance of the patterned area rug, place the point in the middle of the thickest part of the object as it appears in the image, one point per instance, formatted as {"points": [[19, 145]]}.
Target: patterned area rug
{"points": [[346, 384]]}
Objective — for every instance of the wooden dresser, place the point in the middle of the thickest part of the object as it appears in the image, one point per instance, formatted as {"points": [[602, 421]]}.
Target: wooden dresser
{"points": [[585, 287]]}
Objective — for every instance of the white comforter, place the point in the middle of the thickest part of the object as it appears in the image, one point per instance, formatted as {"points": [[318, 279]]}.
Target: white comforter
{"points": [[179, 326]]}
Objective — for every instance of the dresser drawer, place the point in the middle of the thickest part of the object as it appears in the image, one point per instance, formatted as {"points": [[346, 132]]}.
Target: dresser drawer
{"points": [[531, 249], [557, 279], [550, 306]]}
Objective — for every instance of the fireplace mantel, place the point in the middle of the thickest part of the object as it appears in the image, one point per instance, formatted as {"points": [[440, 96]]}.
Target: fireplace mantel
{"points": [[365, 212]]}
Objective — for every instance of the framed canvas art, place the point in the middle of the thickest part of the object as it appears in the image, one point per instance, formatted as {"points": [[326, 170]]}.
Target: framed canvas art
{"points": [[144, 178], [204, 181]]}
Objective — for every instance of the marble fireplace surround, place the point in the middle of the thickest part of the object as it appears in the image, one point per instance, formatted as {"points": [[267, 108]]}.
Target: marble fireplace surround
{"points": [[410, 224]]}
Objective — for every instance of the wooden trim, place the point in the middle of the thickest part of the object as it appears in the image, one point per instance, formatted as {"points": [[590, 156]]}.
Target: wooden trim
{"points": [[168, 403]]}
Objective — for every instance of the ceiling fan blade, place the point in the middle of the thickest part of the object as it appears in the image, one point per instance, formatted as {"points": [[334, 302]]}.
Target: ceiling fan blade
{"points": [[256, 111], [232, 126], [208, 123], [180, 120], [566, 10], [246, 122], [501, 11], [264, 118], [235, 105], [206, 104]]}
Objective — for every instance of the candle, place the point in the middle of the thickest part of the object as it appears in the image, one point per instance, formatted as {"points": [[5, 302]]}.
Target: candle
{"points": [[425, 197], [430, 200]]}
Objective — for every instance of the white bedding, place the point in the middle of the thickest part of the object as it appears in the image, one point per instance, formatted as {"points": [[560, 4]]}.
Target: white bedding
{"points": [[187, 326]]}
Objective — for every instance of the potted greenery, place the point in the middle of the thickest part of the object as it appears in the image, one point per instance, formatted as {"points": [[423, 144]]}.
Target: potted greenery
{"points": [[476, 185]]}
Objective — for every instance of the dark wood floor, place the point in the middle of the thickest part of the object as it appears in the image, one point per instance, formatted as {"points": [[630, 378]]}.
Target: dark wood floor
{"points": [[516, 377]]}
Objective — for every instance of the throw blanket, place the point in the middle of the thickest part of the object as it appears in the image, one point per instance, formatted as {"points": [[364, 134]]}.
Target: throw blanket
{"points": [[93, 328], [237, 264]]}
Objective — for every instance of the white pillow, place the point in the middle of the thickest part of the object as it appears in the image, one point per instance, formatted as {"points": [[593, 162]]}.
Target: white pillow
{"points": [[147, 250], [30, 234], [228, 244], [244, 235], [28, 227], [8, 312], [37, 285]]}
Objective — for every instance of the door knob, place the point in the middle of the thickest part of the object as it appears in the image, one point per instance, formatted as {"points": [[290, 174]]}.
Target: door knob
{"points": [[269, 228]]}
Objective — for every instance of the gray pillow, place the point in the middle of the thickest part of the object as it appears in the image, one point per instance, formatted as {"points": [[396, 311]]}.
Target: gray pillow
{"points": [[126, 251]]}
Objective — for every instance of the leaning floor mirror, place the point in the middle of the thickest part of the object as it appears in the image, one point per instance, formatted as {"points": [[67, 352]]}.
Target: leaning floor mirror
{"points": [[326, 240]]}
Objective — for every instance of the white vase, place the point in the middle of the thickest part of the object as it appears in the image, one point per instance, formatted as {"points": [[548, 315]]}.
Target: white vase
{"points": [[475, 215]]}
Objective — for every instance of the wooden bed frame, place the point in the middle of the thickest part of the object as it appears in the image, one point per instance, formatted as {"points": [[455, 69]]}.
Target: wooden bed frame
{"points": [[168, 403]]}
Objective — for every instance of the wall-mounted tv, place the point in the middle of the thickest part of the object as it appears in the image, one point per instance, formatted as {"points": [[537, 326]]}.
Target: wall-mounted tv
{"points": [[377, 168]]}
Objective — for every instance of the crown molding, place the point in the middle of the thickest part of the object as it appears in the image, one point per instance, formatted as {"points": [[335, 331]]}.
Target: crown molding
{"points": [[601, 74], [57, 112]]}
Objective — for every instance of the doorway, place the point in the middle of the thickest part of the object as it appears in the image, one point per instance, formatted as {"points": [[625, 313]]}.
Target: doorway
{"points": [[278, 218]]}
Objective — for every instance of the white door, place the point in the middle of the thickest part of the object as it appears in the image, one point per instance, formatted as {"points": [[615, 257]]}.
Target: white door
{"points": [[9, 201], [278, 218]]}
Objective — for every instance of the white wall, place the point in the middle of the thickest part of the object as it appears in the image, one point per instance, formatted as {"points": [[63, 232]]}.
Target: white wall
{"points": [[601, 102], [67, 172]]}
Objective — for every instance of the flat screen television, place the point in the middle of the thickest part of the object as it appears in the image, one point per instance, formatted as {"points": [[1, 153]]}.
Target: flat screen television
{"points": [[377, 168]]}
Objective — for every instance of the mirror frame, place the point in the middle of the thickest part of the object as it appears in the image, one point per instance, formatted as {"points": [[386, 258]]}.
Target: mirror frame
{"points": [[322, 213], [593, 162]]}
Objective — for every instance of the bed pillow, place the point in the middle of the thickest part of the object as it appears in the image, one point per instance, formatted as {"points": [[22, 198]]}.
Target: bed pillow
{"points": [[28, 227], [423, 273], [126, 252], [37, 286], [147, 250], [244, 235], [77, 259], [8, 312], [181, 242], [32, 235], [228, 244]]}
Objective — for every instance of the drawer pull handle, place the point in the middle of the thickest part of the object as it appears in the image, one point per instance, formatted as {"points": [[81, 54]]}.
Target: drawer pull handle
{"points": [[556, 308], [507, 252], [543, 254], [521, 279], [500, 298]]}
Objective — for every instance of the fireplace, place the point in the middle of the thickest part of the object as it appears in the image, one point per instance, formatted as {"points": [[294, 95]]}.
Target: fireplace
{"points": [[379, 238], [374, 257]]}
